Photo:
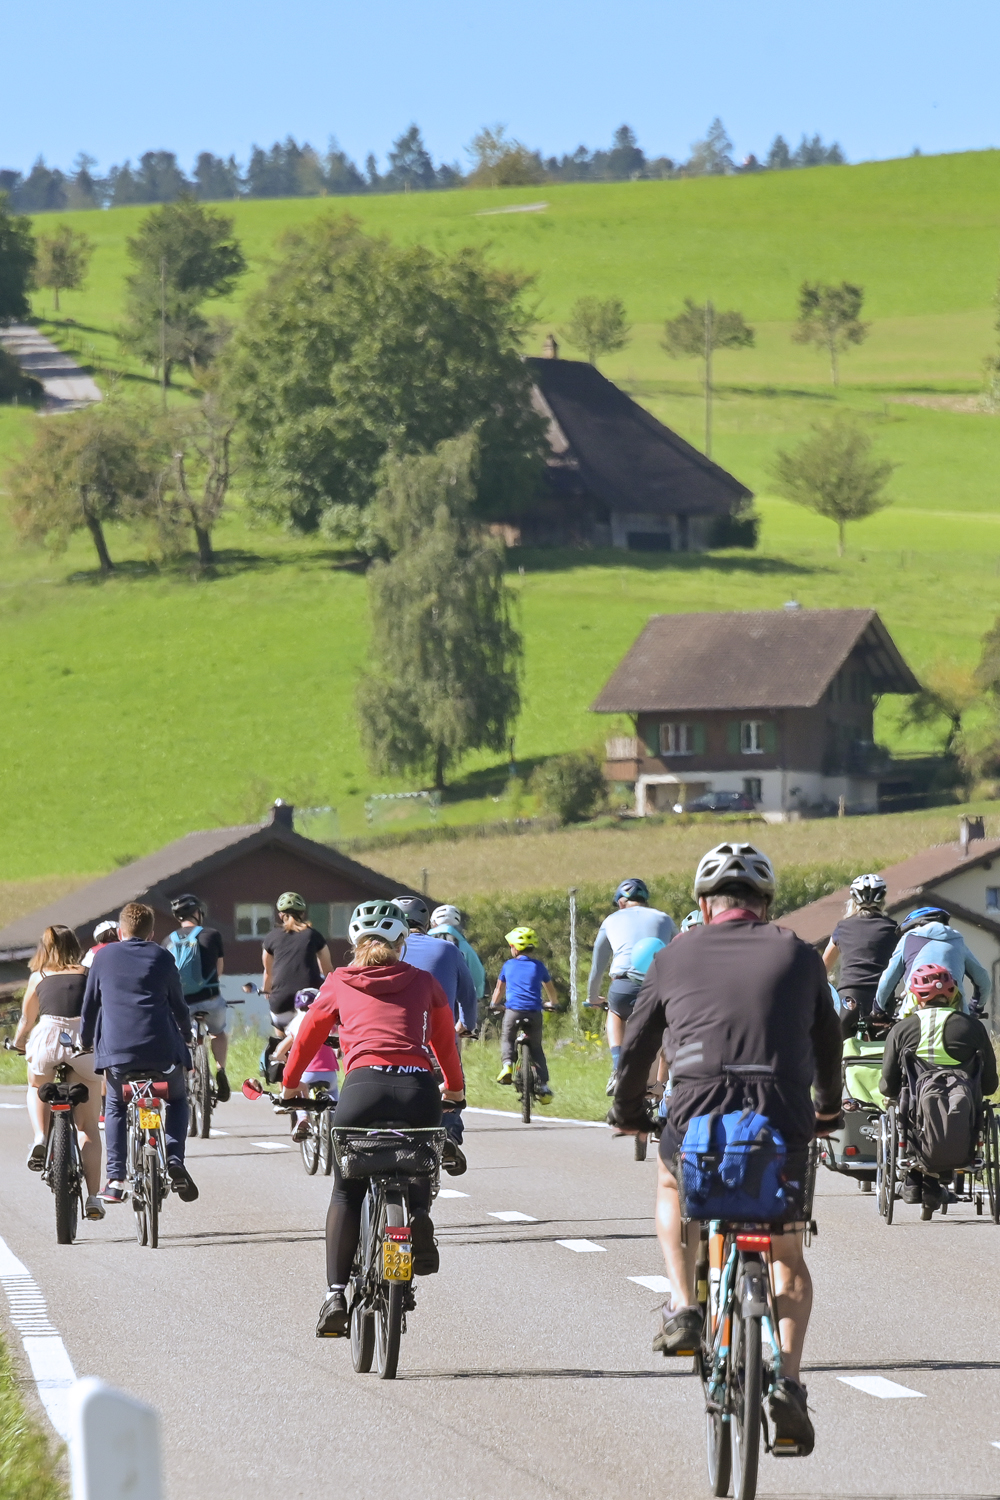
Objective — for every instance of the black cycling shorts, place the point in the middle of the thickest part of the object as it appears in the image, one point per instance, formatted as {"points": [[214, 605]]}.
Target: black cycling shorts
{"points": [[622, 994], [796, 1161]]}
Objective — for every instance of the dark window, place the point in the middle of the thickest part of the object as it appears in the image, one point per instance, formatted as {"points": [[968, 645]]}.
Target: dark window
{"points": [[649, 541]]}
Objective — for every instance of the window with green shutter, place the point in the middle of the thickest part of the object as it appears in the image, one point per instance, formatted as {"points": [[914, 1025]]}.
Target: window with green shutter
{"points": [[733, 736], [768, 737], [697, 739], [652, 738]]}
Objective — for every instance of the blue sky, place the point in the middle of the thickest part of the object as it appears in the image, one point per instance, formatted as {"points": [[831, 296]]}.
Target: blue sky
{"points": [[116, 79]]}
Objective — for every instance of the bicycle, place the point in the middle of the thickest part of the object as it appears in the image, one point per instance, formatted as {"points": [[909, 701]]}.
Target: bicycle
{"points": [[524, 1071], [63, 1166], [979, 1178], [145, 1095], [317, 1147], [740, 1356], [202, 1092]]}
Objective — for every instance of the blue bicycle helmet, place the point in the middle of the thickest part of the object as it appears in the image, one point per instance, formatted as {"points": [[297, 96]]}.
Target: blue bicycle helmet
{"points": [[643, 953], [923, 914], [630, 890], [693, 919]]}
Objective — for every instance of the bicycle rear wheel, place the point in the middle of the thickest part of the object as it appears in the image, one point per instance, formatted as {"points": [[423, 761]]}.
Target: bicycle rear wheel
{"points": [[527, 1082], [888, 1151], [153, 1195], [310, 1146], [389, 1311], [640, 1147], [63, 1185], [746, 1377], [203, 1091], [991, 1163], [326, 1141]]}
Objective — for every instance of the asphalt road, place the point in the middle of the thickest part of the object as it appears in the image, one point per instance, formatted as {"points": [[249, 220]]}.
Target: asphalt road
{"points": [[527, 1369]]}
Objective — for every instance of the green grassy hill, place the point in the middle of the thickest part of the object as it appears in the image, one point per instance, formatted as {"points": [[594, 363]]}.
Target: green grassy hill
{"points": [[141, 707]]}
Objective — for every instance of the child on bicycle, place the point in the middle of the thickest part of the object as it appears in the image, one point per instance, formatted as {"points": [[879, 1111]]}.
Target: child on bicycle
{"points": [[323, 1068], [522, 982]]}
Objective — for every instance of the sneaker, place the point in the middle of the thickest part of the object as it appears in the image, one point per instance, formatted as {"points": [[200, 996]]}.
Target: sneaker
{"points": [[426, 1260], [681, 1331], [36, 1157], [332, 1320], [95, 1208], [115, 1192], [180, 1181], [612, 1084], [300, 1130], [912, 1189], [793, 1431], [223, 1092], [506, 1073], [544, 1094], [453, 1159]]}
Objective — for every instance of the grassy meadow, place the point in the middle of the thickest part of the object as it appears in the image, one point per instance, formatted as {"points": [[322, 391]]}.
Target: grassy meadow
{"points": [[158, 701]]}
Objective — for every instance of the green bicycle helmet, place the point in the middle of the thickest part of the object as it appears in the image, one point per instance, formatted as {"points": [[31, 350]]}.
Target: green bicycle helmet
{"points": [[291, 901]]}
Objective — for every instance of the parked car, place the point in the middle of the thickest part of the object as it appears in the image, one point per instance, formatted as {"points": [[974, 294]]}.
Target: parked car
{"points": [[719, 802]]}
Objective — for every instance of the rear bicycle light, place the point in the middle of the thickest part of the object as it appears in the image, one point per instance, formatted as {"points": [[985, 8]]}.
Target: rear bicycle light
{"points": [[753, 1242], [396, 1234]]}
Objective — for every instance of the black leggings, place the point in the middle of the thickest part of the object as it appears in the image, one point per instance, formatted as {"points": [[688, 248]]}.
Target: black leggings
{"points": [[372, 1098]]}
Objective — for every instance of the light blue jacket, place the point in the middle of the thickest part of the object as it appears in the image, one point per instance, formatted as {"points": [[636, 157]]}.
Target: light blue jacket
{"points": [[934, 943], [613, 948], [468, 953]]}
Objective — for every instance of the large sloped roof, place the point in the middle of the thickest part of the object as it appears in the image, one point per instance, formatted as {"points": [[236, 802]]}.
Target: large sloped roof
{"points": [[175, 867], [909, 884], [766, 659], [625, 456]]}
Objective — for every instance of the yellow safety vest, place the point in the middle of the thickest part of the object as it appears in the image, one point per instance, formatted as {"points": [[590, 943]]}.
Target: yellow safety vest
{"points": [[931, 1047]]}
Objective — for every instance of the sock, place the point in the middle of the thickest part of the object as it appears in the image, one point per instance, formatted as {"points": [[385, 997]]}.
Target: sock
{"points": [[338, 1286], [616, 1053]]}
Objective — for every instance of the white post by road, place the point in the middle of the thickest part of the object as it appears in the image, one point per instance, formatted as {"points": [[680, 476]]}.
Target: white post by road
{"points": [[573, 996], [114, 1445]]}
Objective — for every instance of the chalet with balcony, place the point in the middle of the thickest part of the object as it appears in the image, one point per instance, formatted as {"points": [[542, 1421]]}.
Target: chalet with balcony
{"points": [[777, 704]]}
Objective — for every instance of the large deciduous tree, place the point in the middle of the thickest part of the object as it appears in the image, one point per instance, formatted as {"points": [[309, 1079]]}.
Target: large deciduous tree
{"points": [[63, 260], [835, 473], [357, 346], [184, 255], [829, 316], [597, 327], [444, 656], [17, 263], [194, 484], [500, 161], [696, 333]]}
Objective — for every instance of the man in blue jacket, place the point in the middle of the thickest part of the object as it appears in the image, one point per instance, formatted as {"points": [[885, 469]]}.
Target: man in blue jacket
{"points": [[927, 938], [134, 1019]]}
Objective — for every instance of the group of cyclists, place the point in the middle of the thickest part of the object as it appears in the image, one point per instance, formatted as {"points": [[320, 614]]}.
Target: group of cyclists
{"points": [[729, 997]]}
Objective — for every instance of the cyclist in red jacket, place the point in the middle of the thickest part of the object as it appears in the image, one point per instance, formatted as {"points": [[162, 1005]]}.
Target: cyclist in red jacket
{"points": [[391, 1018]]}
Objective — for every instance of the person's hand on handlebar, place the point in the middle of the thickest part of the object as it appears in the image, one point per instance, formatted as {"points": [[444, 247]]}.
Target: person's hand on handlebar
{"points": [[8, 1046], [828, 1124]]}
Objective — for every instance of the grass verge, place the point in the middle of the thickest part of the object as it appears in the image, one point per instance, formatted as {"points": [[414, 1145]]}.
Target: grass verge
{"points": [[28, 1464]]}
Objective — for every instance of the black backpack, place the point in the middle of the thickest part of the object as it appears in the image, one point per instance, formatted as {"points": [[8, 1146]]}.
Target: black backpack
{"points": [[940, 1110]]}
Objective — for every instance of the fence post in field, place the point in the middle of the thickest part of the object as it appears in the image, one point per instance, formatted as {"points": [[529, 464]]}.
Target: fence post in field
{"points": [[574, 998]]}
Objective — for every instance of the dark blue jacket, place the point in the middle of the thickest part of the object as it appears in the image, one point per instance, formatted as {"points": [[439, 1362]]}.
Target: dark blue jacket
{"points": [[449, 968], [134, 1012]]}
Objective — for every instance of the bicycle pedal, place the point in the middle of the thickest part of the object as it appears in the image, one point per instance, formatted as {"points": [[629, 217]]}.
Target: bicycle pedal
{"points": [[785, 1448]]}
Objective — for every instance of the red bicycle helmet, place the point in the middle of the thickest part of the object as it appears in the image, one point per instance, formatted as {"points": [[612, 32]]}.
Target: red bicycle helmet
{"points": [[927, 981]]}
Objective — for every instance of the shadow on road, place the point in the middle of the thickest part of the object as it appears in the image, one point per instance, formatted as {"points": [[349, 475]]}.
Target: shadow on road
{"points": [[684, 1373]]}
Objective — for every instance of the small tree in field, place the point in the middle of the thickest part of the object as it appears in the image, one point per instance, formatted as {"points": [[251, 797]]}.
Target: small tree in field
{"points": [[194, 484], [85, 469], [835, 473], [696, 333], [948, 692], [17, 262], [829, 316], [443, 674], [597, 327], [63, 260]]}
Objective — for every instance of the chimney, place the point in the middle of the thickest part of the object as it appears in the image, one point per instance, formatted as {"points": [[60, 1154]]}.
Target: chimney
{"points": [[282, 814], [969, 829], [550, 349]]}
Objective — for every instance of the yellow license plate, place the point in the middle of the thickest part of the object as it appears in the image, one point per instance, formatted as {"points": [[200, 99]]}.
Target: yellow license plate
{"points": [[149, 1119], [397, 1261]]}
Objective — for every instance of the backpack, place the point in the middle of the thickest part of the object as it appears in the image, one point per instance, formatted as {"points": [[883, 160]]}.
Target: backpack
{"points": [[940, 1109], [187, 957], [731, 1167]]}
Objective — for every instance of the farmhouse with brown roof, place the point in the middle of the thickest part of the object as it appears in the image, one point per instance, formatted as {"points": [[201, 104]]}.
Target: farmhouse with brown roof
{"points": [[777, 704]]}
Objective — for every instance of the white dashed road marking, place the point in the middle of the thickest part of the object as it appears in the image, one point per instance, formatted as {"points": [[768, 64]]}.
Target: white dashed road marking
{"points": [[652, 1283], [13, 1106], [218, 1132], [513, 1216], [582, 1247], [50, 1363], [451, 1193], [271, 1145], [877, 1385]]}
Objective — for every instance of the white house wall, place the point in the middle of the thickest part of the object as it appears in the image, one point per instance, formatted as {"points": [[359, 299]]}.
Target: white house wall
{"points": [[968, 888], [781, 791]]}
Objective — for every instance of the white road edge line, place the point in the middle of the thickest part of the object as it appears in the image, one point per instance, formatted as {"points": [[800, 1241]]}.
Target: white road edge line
{"points": [[652, 1283], [510, 1114], [877, 1385], [512, 1216], [582, 1247], [451, 1193], [47, 1354]]}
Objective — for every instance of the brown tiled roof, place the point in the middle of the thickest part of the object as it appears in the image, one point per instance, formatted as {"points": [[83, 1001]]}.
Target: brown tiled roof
{"points": [[175, 868], [767, 659], [624, 455], [911, 883]]}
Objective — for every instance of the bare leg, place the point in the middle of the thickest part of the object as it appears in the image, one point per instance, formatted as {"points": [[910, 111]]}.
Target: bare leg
{"points": [[220, 1049], [616, 1029], [38, 1113], [679, 1262], [85, 1116], [793, 1298]]}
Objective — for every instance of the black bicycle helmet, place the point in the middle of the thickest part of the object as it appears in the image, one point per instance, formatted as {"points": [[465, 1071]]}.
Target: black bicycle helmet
{"points": [[631, 890], [415, 910], [183, 907]]}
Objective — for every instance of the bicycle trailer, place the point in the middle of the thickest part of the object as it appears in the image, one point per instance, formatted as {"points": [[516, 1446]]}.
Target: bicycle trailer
{"points": [[852, 1150]]}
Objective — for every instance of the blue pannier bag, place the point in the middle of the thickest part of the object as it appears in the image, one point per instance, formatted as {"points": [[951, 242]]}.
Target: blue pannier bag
{"points": [[731, 1167], [187, 957]]}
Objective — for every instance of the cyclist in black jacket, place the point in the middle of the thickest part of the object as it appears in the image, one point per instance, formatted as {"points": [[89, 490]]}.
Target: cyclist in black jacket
{"points": [[737, 991]]}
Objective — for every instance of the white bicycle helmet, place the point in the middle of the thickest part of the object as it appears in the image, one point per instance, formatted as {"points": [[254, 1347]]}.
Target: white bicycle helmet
{"points": [[734, 864], [446, 916], [869, 890], [381, 919]]}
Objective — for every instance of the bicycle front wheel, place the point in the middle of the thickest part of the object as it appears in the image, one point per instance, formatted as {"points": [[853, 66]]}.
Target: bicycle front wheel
{"points": [[63, 1185], [745, 1392], [389, 1312], [326, 1141], [310, 1148], [527, 1083]]}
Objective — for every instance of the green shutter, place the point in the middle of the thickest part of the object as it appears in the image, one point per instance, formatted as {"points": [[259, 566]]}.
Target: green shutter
{"points": [[733, 737], [768, 737], [652, 737], [698, 739]]}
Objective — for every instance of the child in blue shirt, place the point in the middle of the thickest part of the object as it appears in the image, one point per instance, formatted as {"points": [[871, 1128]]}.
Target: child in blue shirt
{"points": [[522, 982]]}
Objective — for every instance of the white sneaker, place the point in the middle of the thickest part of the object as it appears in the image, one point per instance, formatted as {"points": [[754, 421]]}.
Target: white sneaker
{"points": [[95, 1208]]}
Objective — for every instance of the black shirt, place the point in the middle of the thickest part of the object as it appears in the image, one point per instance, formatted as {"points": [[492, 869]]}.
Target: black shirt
{"points": [[735, 992], [295, 966], [866, 945], [61, 995], [964, 1038], [210, 950]]}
